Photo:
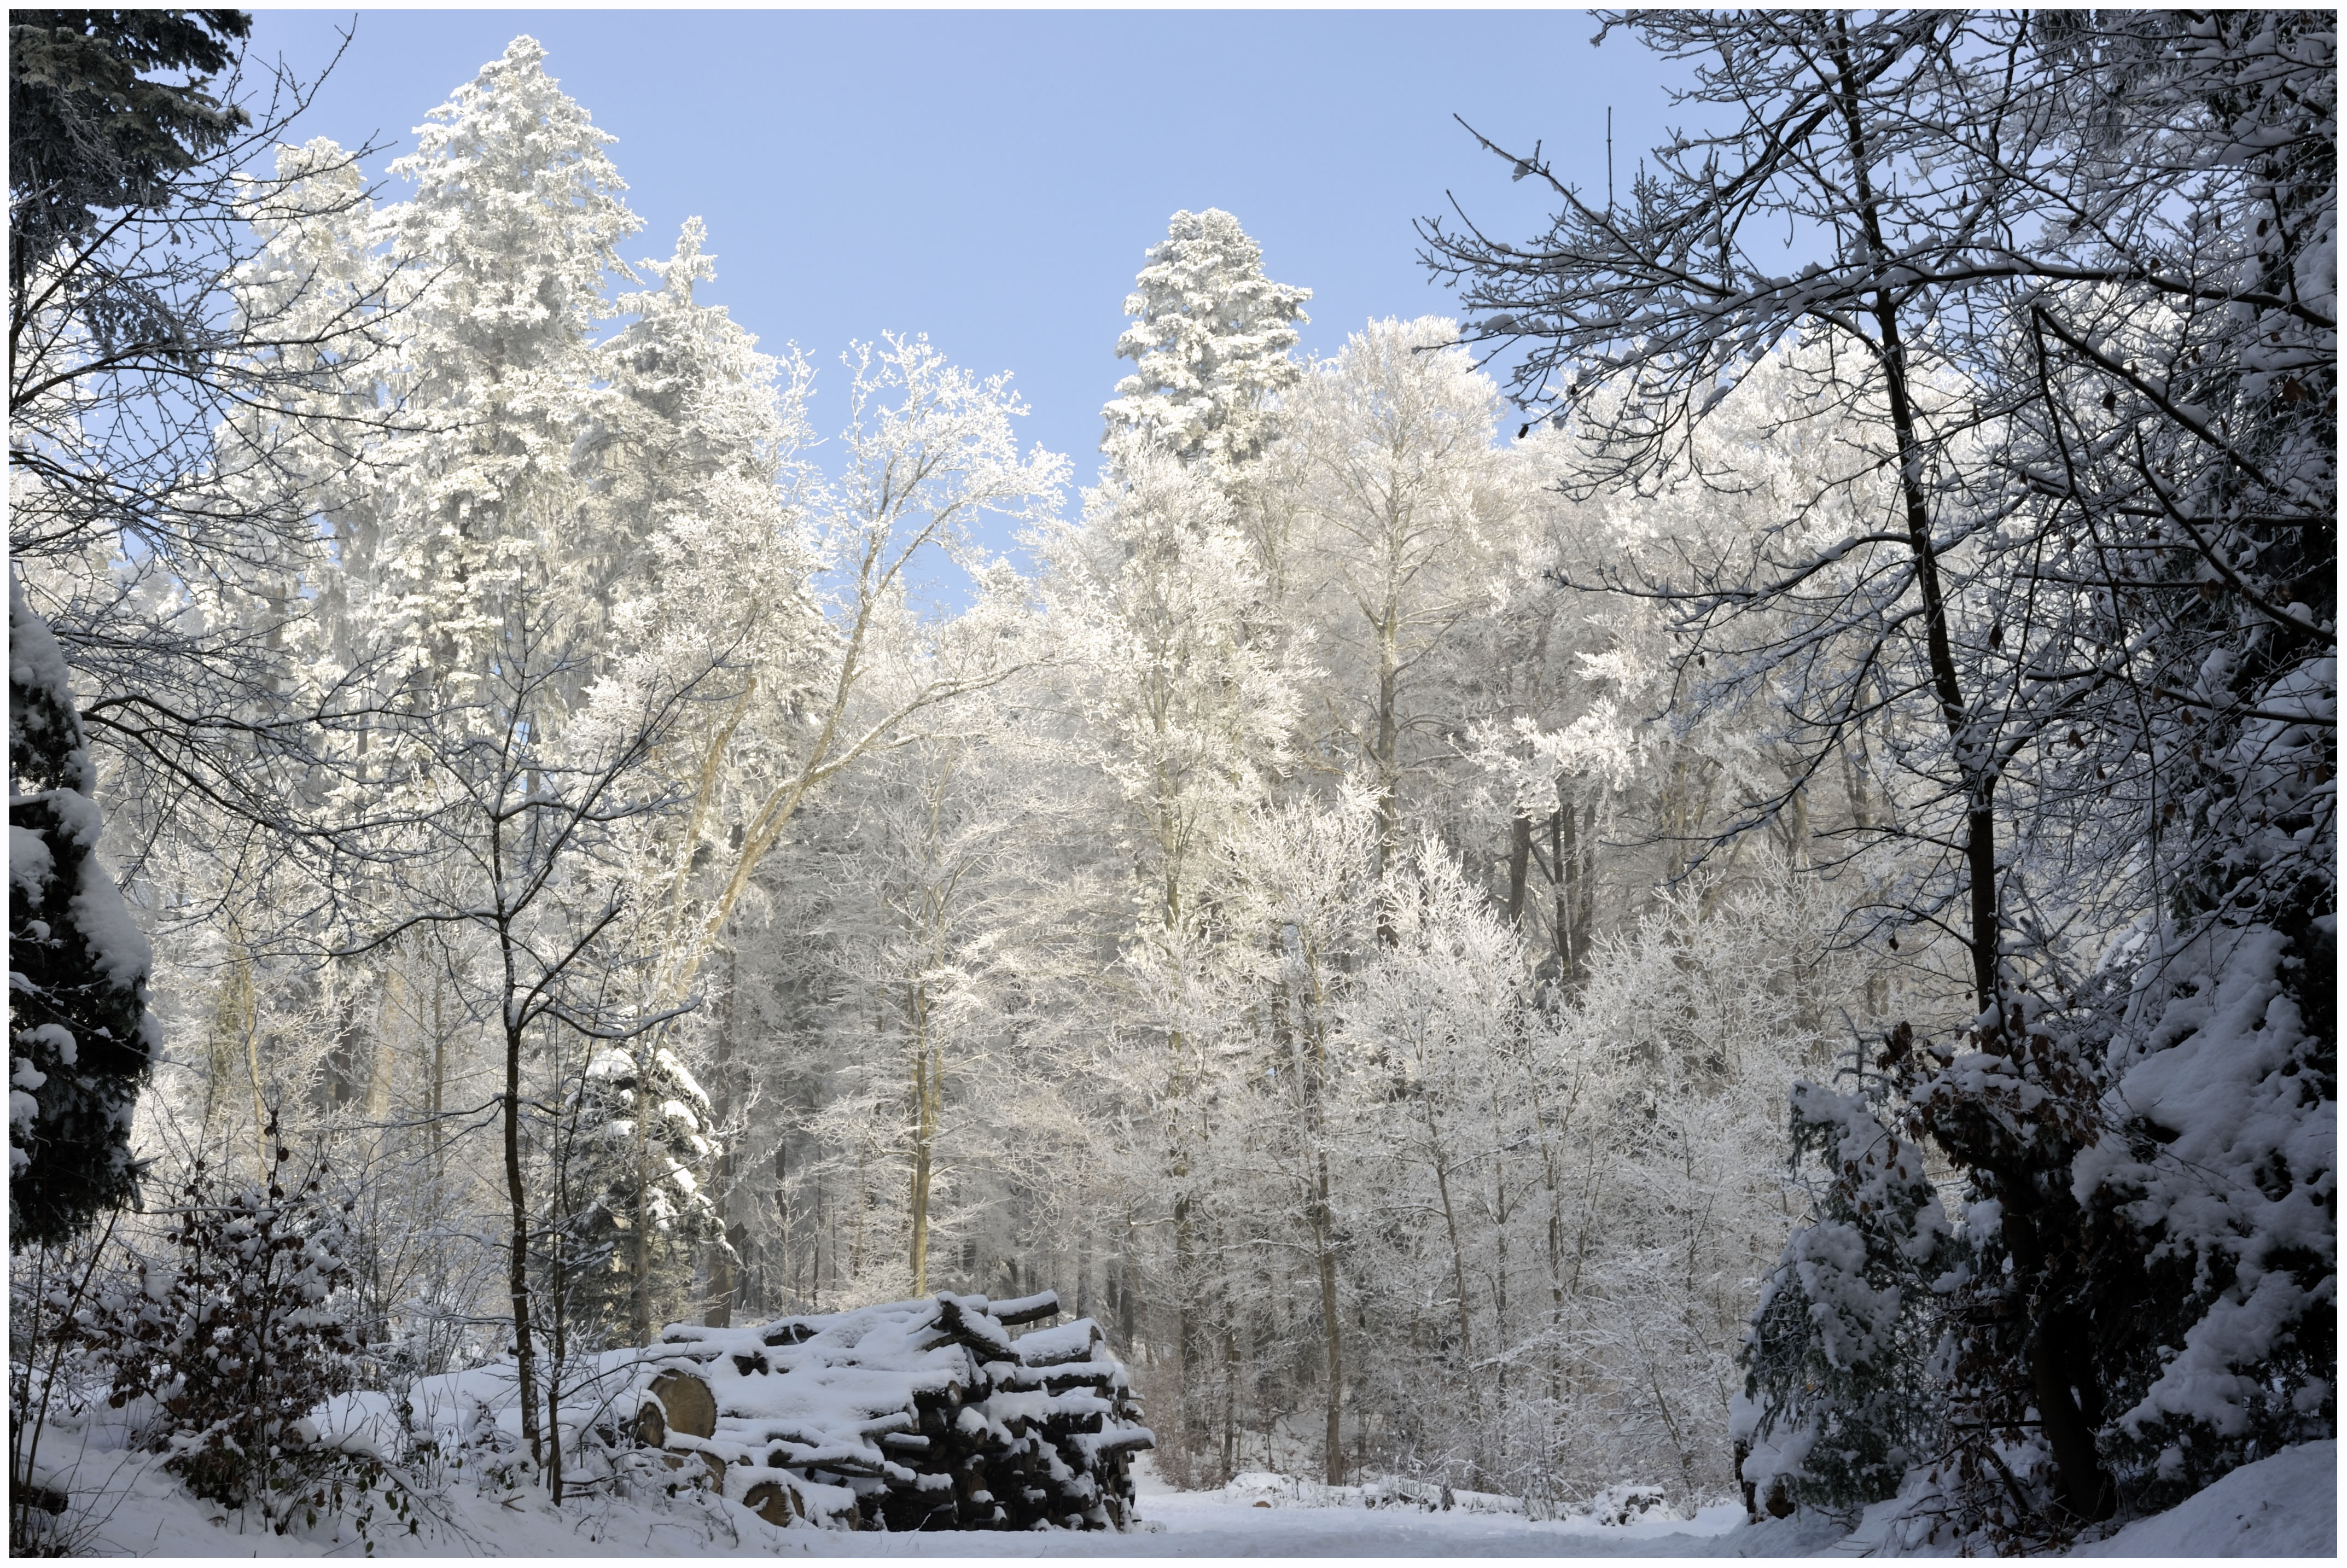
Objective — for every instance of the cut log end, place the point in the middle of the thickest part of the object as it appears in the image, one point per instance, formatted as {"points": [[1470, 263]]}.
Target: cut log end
{"points": [[776, 1502], [686, 1404]]}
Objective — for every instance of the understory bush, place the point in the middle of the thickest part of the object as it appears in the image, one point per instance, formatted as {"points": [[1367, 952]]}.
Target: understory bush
{"points": [[225, 1341]]}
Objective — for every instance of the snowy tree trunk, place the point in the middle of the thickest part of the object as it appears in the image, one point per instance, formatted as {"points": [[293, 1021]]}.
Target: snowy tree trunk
{"points": [[1387, 752], [1519, 855], [1324, 1247], [927, 1071], [518, 1207], [1310, 1038], [727, 1248], [1434, 1153]]}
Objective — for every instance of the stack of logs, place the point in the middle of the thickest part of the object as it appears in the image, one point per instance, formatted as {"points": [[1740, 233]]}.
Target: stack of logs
{"points": [[917, 1415]]}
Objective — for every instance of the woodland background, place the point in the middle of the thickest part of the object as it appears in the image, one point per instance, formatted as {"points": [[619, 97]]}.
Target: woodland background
{"points": [[1347, 908]]}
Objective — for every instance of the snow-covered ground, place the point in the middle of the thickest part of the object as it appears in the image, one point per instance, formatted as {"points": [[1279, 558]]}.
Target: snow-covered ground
{"points": [[2285, 1506]]}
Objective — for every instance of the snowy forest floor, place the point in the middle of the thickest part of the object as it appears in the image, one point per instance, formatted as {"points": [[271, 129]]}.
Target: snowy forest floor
{"points": [[2285, 1506]]}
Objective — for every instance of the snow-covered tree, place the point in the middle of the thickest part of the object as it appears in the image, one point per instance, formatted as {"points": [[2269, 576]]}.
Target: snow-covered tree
{"points": [[1838, 1398], [1210, 343], [154, 519], [2083, 576], [1400, 491], [700, 554], [930, 451], [1187, 702], [639, 1166], [80, 1039], [155, 530], [510, 238]]}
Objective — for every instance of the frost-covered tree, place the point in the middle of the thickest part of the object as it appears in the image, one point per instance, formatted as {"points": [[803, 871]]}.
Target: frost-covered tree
{"points": [[930, 450], [1303, 907], [154, 519], [697, 466], [516, 849], [2083, 576], [1187, 702], [642, 1157], [1210, 343], [1187, 705], [511, 235], [153, 526], [1400, 491], [694, 545]]}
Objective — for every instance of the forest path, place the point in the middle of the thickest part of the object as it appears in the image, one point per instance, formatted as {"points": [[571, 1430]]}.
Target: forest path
{"points": [[1212, 1525]]}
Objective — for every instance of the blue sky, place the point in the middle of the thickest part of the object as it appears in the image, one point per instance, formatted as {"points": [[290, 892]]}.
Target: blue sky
{"points": [[992, 178]]}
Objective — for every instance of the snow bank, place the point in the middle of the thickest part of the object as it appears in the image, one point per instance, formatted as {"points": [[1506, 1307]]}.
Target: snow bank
{"points": [[2285, 1506]]}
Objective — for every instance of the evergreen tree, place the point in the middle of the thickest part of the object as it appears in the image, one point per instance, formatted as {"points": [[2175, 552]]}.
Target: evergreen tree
{"points": [[1838, 1401], [88, 133], [512, 234], [152, 374], [1210, 343], [81, 1041], [2216, 1165], [640, 1168]]}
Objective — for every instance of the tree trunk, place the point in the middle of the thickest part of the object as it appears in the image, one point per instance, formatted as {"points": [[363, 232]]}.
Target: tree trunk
{"points": [[2084, 1484], [1555, 1190], [1230, 1397], [1519, 855], [1125, 1294], [518, 1270], [1500, 1247], [1312, 1084], [1388, 762], [1560, 846], [1324, 1244], [723, 1284], [924, 1130], [639, 1248], [1189, 1338], [1450, 1219], [555, 1286], [1979, 848], [439, 1075]]}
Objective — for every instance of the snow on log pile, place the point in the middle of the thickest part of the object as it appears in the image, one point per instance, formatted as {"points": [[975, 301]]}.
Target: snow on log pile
{"points": [[916, 1415]]}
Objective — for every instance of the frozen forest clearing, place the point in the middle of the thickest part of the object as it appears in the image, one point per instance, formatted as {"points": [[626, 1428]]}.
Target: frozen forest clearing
{"points": [[2282, 1507], [786, 1414], [1715, 870]]}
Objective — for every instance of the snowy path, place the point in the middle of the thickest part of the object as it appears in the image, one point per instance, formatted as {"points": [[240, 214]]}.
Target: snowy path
{"points": [[1232, 1523], [1207, 1526]]}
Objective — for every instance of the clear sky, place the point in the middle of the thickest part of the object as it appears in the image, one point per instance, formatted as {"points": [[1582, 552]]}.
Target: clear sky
{"points": [[992, 178]]}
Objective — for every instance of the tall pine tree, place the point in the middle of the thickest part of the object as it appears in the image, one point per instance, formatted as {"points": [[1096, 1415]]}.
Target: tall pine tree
{"points": [[1210, 343]]}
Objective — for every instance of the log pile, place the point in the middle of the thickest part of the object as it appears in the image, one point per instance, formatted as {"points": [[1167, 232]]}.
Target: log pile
{"points": [[916, 1415]]}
